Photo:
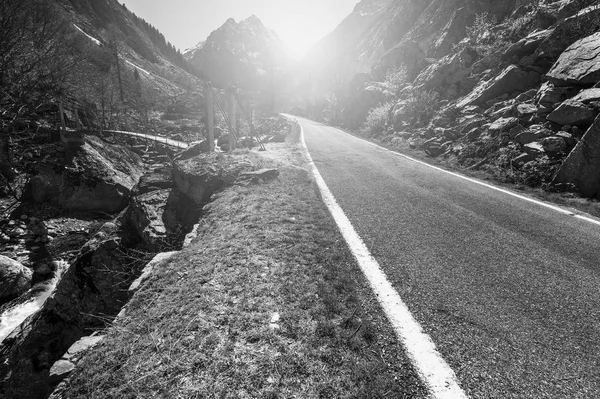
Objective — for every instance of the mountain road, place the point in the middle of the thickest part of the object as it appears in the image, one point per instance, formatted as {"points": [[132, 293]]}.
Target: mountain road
{"points": [[507, 289]]}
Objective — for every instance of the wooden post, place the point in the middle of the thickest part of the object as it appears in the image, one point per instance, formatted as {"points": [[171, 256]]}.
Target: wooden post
{"points": [[61, 110], [232, 119], [210, 117], [76, 116]]}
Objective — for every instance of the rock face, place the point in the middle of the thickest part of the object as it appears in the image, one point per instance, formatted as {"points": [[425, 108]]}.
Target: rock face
{"points": [[97, 177], [15, 278], [511, 79], [579, 65], [582, 166]]}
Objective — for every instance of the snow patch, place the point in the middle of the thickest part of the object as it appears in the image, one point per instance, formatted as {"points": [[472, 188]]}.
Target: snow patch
{"points": [[140, 69], [91, 38]]}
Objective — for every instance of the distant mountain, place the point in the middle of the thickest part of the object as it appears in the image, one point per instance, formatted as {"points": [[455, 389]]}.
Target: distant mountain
{"points": [[340, 46], [244, 54]]}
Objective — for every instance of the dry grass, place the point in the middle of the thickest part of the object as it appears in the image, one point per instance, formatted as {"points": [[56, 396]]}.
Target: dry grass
{"points": [[266, 303]]}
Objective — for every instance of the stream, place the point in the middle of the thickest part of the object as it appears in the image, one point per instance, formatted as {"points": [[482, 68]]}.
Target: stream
{"points": [[15, 312]]}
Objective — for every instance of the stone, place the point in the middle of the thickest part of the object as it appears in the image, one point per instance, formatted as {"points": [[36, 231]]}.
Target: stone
{"points": [[588, 96], [534, 133], [579, 65], [15, 279], [470, 122], [503, 125], [526, 96], [527, 45], [573, 112], [199, 178], [567, 137], [513, 78], [534, 148], [100, 177], [60, 370], [43, 270], [158, 261], [525, 110], [525, 157], [194, 149], [582, 167], [550, 95], [256, 176], [158, 179], [452, 69], [554, 144], [24, 217], [82, 345], [564, 35]]}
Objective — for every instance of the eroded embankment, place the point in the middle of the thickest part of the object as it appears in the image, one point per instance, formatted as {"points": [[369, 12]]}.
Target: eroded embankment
{"points": [[164, 206], [266, 301]]}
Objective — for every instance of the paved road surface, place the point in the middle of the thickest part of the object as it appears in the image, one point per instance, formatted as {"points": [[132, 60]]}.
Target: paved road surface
{"points": [[508, 290]]}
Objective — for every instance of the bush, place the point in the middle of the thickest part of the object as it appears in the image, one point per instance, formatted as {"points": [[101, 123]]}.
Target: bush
{"points": [[421, 107], [378, 119]]}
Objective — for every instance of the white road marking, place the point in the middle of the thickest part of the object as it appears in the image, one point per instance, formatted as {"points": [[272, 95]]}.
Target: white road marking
{"points": [[435, 373], [508, 192]]}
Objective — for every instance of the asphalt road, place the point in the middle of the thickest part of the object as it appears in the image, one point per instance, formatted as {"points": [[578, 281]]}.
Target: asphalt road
{"points": [[508, 290]]}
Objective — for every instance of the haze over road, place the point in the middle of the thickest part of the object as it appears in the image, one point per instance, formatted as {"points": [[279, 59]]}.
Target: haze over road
{"points": [[508, 290]]}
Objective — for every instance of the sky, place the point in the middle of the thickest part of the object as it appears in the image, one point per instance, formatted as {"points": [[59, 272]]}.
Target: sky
{"points": [[299, 23]]}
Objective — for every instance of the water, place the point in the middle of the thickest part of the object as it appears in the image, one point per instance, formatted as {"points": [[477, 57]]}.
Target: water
{"points": [[14, 315]]}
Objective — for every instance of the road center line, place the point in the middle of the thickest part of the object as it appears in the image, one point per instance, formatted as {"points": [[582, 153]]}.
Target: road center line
{"points": [[435, 373]]}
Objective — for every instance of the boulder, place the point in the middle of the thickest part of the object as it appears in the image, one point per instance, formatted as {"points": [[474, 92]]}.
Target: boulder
{"points": [[526, 110], [534, 133], [582, 167], [158, 261], [579, 65], [503, 125], [199, 178], [573, 112], [100, 177], [527, 45], [565, 33], [469, 122], [148, 216], [567, 137], [554, 144], [195, 149], [549, 95], [15, 279], [60, 370], [525, 157], [511, 79], [588, 96], [158, 179], [450, 70]]}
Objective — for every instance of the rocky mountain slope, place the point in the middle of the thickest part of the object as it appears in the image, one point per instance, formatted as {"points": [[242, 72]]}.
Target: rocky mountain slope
{"points": [[244, 54], [507, 87]]}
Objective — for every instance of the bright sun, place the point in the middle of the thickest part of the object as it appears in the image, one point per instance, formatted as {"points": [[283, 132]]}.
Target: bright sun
{"points": [[299, 31]]}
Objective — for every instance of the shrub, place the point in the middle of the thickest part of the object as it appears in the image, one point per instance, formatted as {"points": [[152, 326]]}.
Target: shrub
{"points": [[396, 78], [378, 119]]}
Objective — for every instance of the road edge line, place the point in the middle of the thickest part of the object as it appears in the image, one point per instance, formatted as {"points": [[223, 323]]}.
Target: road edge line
{"points": [[556, 208], [433, 370]]}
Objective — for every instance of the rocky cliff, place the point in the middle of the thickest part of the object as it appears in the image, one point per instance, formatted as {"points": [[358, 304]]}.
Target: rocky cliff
{"points": [[504, 86]]}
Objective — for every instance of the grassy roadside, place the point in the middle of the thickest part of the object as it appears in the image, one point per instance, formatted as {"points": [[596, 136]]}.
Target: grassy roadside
{"points": [[572, 201], [266, 303]]}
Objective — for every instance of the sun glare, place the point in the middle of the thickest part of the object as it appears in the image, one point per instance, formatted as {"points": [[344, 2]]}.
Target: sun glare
{"points": [[299, 31]]}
